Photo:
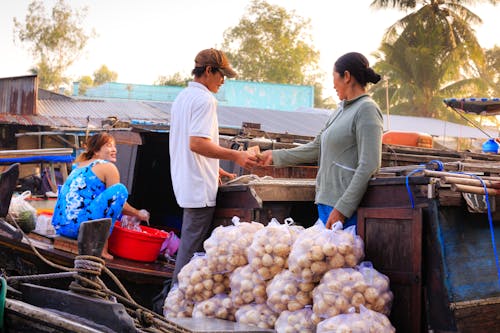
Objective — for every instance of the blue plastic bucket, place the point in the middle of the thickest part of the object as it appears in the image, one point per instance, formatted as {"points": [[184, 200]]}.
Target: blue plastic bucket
{"points": [[490, 146]]}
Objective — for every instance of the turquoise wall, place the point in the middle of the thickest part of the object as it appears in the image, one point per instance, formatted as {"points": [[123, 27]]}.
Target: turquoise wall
{"points": [[233, 93]]}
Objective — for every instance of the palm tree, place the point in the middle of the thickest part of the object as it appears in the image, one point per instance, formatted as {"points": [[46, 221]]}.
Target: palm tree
{"points": [[430, 54]]}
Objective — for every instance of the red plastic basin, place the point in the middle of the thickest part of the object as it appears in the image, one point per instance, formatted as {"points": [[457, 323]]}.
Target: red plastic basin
{"points": [[136, 245]]}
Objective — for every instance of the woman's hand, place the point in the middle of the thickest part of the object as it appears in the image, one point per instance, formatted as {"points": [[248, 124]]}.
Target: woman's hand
{"points": [[143, 215], [266, 158], [335, 216]]}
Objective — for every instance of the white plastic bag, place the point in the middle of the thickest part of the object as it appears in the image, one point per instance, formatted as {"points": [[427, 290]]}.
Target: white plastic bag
{"points": [[22, 212]]}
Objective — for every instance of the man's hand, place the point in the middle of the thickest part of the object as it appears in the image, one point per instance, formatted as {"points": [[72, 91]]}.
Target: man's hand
{"points": [[224, 174], [246, 159]]}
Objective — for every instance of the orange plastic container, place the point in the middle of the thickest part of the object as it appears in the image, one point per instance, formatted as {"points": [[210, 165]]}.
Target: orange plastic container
{"points": [[411, 139], [135, 245]]}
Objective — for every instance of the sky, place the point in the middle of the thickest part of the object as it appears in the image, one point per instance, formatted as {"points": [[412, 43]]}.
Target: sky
{"points": [[142, 40]]}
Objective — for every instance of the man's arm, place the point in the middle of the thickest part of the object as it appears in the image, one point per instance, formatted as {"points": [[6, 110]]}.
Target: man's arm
{"points": [[205, 147]]}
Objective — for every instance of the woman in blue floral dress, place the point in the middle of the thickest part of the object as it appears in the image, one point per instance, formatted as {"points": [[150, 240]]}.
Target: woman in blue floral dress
{"points": [[93, 191]]}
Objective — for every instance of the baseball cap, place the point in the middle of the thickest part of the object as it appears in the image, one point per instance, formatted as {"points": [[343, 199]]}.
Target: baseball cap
{"points": [[216, 59]]}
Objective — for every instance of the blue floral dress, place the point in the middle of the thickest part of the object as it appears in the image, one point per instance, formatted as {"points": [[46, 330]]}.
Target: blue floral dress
{"points": [[84, 197]]}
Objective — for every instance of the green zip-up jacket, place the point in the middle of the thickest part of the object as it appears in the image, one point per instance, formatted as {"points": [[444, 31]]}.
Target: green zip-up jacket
{"points": [[349, 151]]}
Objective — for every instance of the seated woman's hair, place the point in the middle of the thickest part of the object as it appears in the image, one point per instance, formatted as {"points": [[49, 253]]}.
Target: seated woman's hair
{"points": [[94, 144]]}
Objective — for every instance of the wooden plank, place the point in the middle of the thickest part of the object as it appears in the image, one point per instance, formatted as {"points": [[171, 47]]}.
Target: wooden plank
{"points": [[285, 191], [394, 195], [447, 197], [66, 244], [303, 171], [237, 196], [473, 189], [35, 152], [393, 243], [479, 319], [224, 216]]}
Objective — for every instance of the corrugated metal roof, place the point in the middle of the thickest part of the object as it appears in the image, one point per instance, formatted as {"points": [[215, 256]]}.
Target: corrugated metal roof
{"points": [[155, 116], [306, 123], [123, 110], [18, 95]]}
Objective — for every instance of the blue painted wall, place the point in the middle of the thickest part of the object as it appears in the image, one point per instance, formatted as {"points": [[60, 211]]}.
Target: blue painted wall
{"points": [[233, 93]]}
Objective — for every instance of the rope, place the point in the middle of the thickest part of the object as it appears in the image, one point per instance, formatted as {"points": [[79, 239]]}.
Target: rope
{"points": [[48, 262], [490, 219], [93, 285], [247, 179], [408, 189]]}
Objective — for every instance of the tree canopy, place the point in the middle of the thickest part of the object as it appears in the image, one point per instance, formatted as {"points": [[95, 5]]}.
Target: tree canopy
{"points": [[55, 40], [430, 54], [270, 44], [103, 75], [175, 80]]}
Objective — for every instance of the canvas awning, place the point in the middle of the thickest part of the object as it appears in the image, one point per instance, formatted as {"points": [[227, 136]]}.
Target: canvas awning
{"points": [[479, 106]]}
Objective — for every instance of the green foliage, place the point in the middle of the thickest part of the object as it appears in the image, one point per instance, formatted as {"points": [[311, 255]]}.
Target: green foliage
{"points": [[492, 71], [55, 41], [430, 54], [319, 101], [103, 75], [272, 45], [85, 83], [175, 80]]}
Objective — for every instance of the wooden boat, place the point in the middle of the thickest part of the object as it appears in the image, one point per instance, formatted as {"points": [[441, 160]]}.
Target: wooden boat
{"points": [[89, 306], [417, 230], [30, 256]]}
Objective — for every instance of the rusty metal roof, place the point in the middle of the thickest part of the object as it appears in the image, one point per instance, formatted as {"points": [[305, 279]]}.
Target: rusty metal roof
{"points": [[155, 116], [77, 113], [101, 109]]}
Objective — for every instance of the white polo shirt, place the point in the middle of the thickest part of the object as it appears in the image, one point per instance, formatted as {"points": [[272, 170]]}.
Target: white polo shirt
{"points": [[194, 177]]}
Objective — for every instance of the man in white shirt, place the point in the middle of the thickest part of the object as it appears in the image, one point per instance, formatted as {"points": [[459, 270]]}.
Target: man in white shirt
{"points": [[195, 152]]}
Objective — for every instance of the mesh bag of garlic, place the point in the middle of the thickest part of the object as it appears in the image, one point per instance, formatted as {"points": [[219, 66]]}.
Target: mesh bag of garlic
{"points": [[268, 254], [247, 286], [176, 306], [227, 246], [343, 288], [219, 306], [259, 315], [319, 249], [287, 292], [198, 282], [295, 321], [366, 321]]}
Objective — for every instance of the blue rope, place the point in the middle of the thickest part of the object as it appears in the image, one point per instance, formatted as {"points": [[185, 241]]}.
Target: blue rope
{"points": [[439, 164], [490, 219], [440, 167], [408, 186]]}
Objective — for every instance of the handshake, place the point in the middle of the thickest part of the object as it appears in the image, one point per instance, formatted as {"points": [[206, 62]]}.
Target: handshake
{"points": [[263, 159]]}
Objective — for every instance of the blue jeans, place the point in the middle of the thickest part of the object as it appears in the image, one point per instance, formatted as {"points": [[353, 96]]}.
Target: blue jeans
{"points": [[325, 210]]}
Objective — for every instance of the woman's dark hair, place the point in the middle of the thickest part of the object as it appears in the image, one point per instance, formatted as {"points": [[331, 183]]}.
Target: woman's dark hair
{"points": [[94, 144], [356, 64], [198, 71]]}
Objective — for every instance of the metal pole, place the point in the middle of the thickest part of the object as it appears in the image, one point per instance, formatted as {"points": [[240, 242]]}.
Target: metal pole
{"points": [[387, 101]]}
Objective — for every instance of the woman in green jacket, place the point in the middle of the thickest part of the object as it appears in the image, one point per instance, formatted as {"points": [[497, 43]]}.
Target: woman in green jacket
{"points": [[349, 147]]}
